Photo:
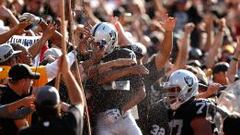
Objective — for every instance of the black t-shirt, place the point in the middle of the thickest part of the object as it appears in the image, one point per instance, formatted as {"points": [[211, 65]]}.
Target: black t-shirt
{"points": [[118, 92], [7, 95], [182, 117], [144, 107], [69, 124]]}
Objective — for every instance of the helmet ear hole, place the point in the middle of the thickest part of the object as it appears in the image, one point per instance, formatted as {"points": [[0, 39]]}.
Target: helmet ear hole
{"points": [[189, 90]]}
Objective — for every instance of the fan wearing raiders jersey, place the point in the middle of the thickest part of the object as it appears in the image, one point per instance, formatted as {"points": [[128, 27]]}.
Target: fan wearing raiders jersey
{"points": [[111, 101], [189, 114]]}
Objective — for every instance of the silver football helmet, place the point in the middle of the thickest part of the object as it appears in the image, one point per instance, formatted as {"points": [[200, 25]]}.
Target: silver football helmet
{"points": [[181, 86], [106, 35]]}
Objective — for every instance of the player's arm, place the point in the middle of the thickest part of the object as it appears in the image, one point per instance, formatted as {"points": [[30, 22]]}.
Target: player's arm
{"points": [[137, 85], [201, 126], [98, 70], [112, 75], [135, 99]]}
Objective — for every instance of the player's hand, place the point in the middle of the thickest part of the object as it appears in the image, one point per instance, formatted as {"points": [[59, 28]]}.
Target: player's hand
{"points": [[30, 17], [139, 70], [122, 62]]}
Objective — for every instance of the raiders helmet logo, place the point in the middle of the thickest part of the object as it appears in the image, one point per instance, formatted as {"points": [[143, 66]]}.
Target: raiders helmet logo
{"points": [[188, 80], [112, 34]]}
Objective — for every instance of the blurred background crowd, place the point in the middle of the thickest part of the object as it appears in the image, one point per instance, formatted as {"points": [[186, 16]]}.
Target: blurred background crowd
{"points": [[201, 36]]}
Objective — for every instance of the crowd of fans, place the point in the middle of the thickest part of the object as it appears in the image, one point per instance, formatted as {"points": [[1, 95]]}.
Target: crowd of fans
{"points": [[129, 67]]}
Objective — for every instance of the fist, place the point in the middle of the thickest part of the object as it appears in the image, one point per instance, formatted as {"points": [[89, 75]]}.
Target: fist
{"points": [[189, 27]]}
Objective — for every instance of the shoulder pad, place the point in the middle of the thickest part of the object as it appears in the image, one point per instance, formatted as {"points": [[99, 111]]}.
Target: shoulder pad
{"points": [[200, 107]]}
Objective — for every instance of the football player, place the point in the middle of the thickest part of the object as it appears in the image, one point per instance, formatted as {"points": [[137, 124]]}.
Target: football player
{"points": [[189, 114], [112, 101]]}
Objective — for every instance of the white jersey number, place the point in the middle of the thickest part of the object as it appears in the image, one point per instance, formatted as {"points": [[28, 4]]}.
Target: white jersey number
{"points": [[202, 105], [176, 125], [156, 130]]}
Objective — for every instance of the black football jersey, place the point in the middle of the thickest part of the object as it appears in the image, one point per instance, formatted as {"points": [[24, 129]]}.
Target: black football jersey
{"points": [[118, 92], [158, 120], [180, 123]]}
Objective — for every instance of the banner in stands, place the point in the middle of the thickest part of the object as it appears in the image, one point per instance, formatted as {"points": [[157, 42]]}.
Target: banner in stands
{"points": [[27, 41]]}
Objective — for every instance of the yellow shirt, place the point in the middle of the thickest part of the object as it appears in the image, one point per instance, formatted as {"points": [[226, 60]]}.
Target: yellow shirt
{"points": [[36, 83]]}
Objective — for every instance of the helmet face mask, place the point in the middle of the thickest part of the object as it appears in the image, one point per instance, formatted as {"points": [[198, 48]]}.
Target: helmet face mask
{"points": [[181, 86], [105, 36]]}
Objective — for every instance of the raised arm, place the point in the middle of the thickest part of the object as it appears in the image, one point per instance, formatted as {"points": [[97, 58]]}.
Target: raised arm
{"points": [[233, 68], [7, 15], [183, 45], [210, 34], [218, 39], [163, 55], [75, 92], [122, 37], [56, 38], [16, 30], [47, 34]]}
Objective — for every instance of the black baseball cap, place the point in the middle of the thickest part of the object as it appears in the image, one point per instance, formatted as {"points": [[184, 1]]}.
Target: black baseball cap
{"points": [[220, 67], [21, 71], [48, 96]]}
